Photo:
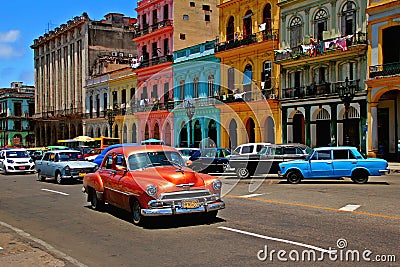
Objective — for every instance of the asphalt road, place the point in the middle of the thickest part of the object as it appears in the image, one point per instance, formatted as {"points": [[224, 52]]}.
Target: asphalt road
{"points": [[261, 215]]}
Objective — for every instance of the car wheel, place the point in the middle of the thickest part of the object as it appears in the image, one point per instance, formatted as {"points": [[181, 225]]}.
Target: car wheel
{"points": [[294, 177], [41, 177], [137, 217], [95, 203], [360, 177], [243, 173], [59, 180]]}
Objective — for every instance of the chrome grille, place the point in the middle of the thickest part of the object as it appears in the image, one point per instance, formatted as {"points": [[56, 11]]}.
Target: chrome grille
{"points": [[185, 194]]}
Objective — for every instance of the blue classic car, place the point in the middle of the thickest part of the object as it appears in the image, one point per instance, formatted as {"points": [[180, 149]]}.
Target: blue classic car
{"points": [[63, 165], [334, 162]]}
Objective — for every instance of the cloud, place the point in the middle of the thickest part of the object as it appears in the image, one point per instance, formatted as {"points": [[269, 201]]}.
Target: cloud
{"points": [[9, 37], [7, 51]]}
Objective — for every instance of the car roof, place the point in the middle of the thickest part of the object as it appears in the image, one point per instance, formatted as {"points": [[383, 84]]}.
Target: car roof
{"points": [[63, 151], [334, 147], [15, 149], [128, 149]]}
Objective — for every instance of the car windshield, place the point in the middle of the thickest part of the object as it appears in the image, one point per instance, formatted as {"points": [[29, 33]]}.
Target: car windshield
{"points": [[17, 154], [154, 159], [70, 156], [263, 150]]}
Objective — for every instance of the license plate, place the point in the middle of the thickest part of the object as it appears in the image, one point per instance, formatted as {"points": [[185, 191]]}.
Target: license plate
{"points": [[22, 168], [82, 174], [190, 204]]}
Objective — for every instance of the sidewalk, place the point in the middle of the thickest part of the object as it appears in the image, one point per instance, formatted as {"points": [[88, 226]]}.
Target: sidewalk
{"points": [[394, 167], [18, 248]]}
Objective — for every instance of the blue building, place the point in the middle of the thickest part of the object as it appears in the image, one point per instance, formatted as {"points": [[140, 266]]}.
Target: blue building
{"points": [[17, 106], [196, 85]]}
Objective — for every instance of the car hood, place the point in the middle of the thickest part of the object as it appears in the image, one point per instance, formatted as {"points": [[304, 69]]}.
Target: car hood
{"points": [[78, 164], [170, 174]]}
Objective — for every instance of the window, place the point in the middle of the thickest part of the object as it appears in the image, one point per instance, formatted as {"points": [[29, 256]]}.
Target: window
{"points": [[295, 31], [185, 17], [340, 154], [289, 150], [322, 155], [207, 17], [210, 85], [166, 12], [182, 89], [206, 7], [247, 149], [267, 75], [267, 17], [230, 29], [18, 109], [320, 24], [154, 92], [196, 87], [182, 36], [348, 19], [166, 46], [192, 4], [247, 24]]}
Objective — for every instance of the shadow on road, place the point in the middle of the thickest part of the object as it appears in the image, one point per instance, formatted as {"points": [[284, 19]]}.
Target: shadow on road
{"points": [[162, 222]]}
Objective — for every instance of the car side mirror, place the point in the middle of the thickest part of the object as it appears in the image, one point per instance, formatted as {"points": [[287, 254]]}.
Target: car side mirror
{"points": [[189, 163]]}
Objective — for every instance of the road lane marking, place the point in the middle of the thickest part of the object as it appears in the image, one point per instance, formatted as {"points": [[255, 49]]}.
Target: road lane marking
{"points": [[251, 195], [1, 248], [350, 207], [275, 239], [272, 201], [53, 191], [50, 248]]}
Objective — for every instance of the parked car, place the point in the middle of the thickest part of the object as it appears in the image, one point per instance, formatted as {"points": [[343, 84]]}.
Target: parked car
{"points": [[334, 162], [152, 181], [92, 154], [210, 160], [16, 160], [63, 165], [187, 152], [100, 157], [36, 152], [267, 159], [249, 148]]}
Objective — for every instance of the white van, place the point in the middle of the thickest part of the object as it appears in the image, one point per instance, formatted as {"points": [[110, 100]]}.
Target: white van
{"points": [[249, 148]]}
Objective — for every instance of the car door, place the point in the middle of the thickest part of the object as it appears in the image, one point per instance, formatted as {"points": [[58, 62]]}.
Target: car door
{"points": [[43, 165], [343, 162], [321, 164], [110, 177]]}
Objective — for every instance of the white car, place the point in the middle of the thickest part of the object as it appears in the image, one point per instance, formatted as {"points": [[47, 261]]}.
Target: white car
{"points": [[249, 148], [16, 161]]}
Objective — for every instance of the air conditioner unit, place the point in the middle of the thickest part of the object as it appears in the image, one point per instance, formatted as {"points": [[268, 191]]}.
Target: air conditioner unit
{"points": [[326, 35], [121, 54], [114, 54], [130, 55]]}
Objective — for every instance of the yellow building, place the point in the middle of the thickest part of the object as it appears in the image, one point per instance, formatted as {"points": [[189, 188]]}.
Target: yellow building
{"points": [[248, 36], [384, 78]]}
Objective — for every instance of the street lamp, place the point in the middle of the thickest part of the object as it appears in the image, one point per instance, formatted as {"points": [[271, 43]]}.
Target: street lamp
{"points": [[190, 110], [110, 115], [346, 93]]}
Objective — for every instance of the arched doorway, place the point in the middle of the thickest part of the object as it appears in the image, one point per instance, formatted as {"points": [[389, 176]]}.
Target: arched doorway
{"points": [[230, 29], [134, 135], [156, 131], [146, 132], [116, 131], [212, 131], [267, 17], [298, 128], [125, 134], [233, 134], [269, 131], [354, 127], [98, 132], [183, 136], [250, 125], [323, 126], [247, 24], [197, 133], [167, 134]]}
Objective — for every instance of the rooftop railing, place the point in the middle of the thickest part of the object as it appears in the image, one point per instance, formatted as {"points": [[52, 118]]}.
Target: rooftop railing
{"points": [[384, 70]]}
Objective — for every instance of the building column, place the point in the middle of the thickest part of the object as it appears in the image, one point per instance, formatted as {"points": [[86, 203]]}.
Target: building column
{"points": [[373, 131], [307, 127], [334, 125], [284, 125]]}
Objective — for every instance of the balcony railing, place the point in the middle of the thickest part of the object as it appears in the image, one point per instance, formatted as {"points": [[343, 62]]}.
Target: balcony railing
{"points": [[149, 29], [314, 90], [318, 49], [384, 70], [155, 61], [250, 39]]}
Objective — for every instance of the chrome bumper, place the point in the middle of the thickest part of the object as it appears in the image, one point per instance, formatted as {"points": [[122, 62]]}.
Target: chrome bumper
{"points": [[174, 210], [387, 171]]}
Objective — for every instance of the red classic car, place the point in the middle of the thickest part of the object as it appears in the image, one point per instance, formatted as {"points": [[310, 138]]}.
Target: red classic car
{"points": [[151, 180]]}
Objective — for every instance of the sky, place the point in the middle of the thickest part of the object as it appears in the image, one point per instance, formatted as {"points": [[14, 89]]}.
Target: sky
{"points": [[22, 21]]}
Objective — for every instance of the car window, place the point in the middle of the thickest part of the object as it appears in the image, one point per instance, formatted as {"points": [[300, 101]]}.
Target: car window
{"points": [[289, 150], [278, 151], [154, 159], [322, 155], [70, 156], [247, 149], [17, 154], [237, 150], [340, 154], [259, 147], [46, 156], [108, 162], [263, 150]]}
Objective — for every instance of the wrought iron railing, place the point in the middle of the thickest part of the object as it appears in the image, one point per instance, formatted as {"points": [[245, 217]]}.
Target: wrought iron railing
{"points": [[314, 90], [384, 70], [247, 40], [320, 48], [149, 29], [156, 60]]}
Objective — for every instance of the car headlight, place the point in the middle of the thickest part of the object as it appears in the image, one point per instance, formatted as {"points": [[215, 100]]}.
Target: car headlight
{"points": [[151, 190], [217, 185]]}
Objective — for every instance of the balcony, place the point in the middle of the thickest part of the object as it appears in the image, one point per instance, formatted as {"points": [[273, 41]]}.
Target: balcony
{"points": [[384, 70], [250, 39], [315, 90], [146, 29], [319, 49], [155, 61]]}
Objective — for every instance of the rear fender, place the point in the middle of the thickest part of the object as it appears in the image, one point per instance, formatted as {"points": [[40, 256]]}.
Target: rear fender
{"points": [[360, 169]]}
